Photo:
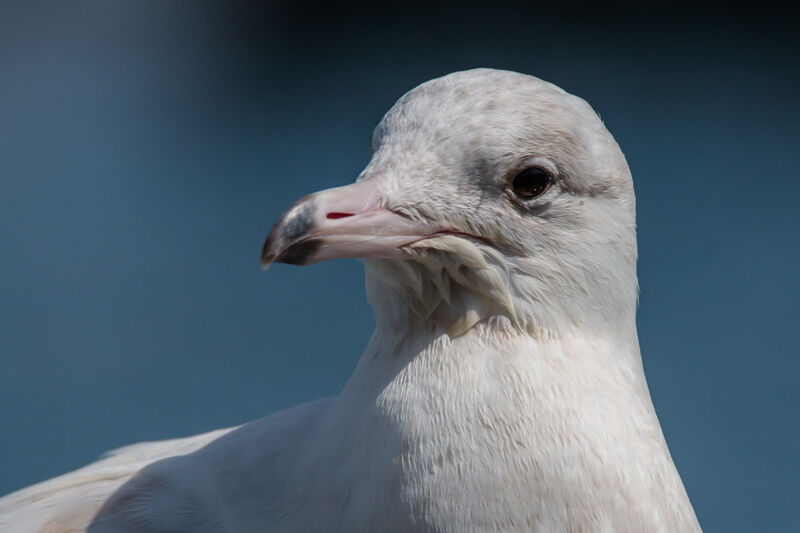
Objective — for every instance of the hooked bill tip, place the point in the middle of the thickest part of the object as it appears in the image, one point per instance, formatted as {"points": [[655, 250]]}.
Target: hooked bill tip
{"points": [[266, 256], [291, 227], [299, 253]]}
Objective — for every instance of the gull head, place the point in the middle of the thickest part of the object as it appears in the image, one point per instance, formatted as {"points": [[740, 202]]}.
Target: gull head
{"points": [[492, 197]]}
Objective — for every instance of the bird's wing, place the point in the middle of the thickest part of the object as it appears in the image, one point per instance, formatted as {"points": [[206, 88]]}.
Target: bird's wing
{"points": [[241, 481], [69, 502], [167, 482]]}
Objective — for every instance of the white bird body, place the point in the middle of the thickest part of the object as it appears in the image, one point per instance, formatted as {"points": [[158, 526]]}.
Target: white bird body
{"points": [[68, 503], [502, 389]]}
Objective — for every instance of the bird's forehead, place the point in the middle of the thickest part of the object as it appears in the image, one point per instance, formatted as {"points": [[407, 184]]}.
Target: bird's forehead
{"points": [[483, 112], [485, 124], [486, 101]]}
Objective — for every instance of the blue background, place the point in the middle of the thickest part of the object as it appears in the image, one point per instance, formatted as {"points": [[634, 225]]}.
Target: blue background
{"points": [[146, 148]]}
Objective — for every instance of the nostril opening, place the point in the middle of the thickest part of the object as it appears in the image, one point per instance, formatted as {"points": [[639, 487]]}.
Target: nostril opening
{"points": [[334, 216]]}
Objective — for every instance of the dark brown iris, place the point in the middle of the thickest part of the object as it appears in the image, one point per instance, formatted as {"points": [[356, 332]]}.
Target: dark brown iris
{"points": [[531, 183]]}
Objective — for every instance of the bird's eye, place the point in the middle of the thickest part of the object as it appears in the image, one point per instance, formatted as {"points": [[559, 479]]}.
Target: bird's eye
{"points": [[531, 183]]}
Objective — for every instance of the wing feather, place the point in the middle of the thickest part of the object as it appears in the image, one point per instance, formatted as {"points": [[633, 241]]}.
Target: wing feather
{"points": [[68, 503]]}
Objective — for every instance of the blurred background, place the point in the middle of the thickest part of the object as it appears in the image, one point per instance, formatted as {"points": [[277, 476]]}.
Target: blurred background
{"points": [[147, 147]]}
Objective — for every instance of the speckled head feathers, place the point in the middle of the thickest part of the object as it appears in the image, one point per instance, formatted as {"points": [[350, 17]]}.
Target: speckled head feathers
{"points": [[448, 150]]}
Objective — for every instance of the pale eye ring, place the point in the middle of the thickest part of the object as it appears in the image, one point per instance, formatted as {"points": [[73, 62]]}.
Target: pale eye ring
{"points": [[531, 183]]}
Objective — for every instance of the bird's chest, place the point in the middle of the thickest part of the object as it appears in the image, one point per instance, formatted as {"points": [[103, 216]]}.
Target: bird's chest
{"points": [[463, 445], [472, 439]]}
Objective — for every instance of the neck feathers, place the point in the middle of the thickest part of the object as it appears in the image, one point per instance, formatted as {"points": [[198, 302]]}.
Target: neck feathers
{"points": [[450, 284], [543, 431]]}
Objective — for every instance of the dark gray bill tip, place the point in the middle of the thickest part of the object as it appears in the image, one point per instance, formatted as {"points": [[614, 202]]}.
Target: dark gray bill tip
{"points": [[268, 250], [291, 227], [299, 253]]}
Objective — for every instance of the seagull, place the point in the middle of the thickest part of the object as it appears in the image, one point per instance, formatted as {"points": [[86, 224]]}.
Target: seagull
{"points": [[502, 388]]}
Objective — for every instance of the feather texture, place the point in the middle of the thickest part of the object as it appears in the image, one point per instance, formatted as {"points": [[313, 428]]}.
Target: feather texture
{"points": [[502, 389]]}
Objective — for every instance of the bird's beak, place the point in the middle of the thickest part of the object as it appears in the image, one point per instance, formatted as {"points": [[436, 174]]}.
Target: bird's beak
{"points": [[342, 222]]}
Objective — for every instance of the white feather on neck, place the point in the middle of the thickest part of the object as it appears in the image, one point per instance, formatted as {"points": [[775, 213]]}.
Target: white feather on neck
{"points": [[541, 432], [469, 392], [451, 283]]}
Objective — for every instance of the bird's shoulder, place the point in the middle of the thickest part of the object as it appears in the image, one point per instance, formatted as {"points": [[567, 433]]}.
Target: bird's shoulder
{"points": [[135, 487], [238, 477], [68, 502]]}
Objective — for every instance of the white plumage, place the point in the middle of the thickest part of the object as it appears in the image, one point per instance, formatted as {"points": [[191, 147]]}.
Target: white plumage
{"points": [[502, 389]]}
